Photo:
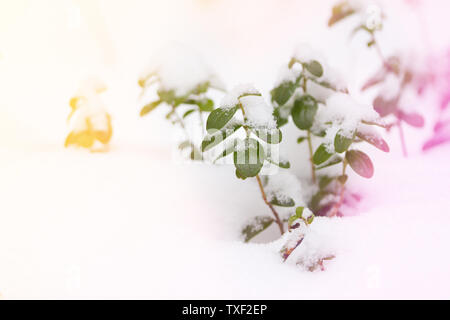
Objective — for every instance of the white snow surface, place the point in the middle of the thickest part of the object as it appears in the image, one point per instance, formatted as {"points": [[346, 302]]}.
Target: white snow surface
{"points": [[76, 224], [180, 68]]}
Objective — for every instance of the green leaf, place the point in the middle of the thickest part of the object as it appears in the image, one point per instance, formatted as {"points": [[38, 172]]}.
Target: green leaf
{"points": [[239, 176], [218, 118], [188, 113], [202, 88], [324, 181], [321, 155], [167, 96], [219, 136], [328, 85], [249, 159], [333, 161], [304, 111], [281, 115], [258, 225], [301, 139], [272, 136], [282, 202], [298, 215], [341, 142], [285, 164], [150, 107], [360, 163], [206, 105], [227, 151], [315, 68], [283, 92]]}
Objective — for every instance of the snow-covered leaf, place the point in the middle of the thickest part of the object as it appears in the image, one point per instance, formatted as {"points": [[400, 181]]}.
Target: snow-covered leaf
{"points": [[218, 136], [249, 158], [331, 162], [374, 139], [283, 92], [341, 142], [304, 111], [272, 136], [315, 68], [228, 150], [281, 115], [285, 164], [255, 227], [321, 155], [219, 117], [206, 105], [282, 201]]}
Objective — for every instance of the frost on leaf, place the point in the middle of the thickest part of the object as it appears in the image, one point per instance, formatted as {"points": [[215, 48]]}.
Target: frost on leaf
{"points": [[255, 227]]}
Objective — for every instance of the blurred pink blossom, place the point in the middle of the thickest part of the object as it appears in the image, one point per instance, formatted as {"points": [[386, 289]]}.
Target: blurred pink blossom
{"points": [[437, 83]]}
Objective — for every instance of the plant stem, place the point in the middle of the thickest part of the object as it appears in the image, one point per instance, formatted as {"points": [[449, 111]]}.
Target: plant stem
{"points": [[389, 67], [275, 213], [337, 205], [201, 121], [310, 147], [379, 52], [261, 188], [402, 138], [180, 121]]}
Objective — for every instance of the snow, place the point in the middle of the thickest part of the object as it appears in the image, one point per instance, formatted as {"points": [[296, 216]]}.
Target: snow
{"points": [[179, 67], [344, 112], [90, 86], [258, 112], [232, 98], [82, 234], [284, 185], [390, 87], [286, 74], [373, 19], [305, 53], [133, 223], [89, 106]]}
